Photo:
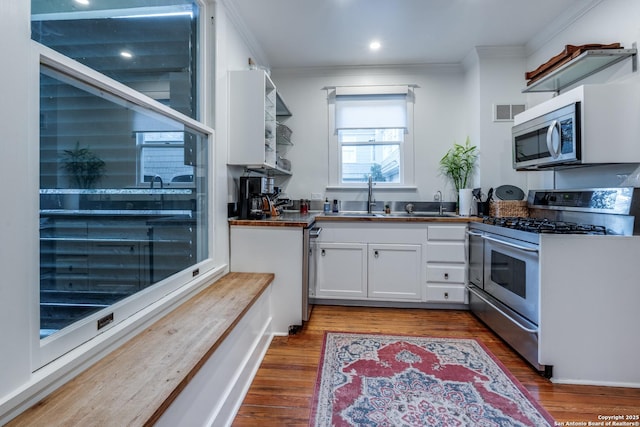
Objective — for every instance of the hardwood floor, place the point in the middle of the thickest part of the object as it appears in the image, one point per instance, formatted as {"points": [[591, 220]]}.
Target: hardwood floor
{"points": [[282, 390]]}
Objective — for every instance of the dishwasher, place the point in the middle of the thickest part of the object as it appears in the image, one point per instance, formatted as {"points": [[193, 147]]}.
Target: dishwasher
{"points": [[309, 235]]}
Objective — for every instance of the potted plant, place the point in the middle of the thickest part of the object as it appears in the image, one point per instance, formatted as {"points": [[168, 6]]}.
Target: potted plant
{"points": [[458, 165], [83, 165]]}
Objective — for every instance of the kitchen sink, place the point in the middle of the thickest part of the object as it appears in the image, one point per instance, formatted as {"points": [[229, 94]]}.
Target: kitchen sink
{"points": [[355, 214], [358, 214], [420, 214]]}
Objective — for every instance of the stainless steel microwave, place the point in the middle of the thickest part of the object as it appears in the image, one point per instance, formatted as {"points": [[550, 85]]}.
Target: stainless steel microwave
{"points": [[549, 140]]}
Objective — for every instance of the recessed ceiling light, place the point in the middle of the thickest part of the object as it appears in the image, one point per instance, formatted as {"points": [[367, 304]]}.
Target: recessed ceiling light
{"points": [[374, 45], [126, 54], [83, 2]]}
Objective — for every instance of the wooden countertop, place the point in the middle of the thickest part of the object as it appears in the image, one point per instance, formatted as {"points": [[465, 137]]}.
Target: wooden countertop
{"points": [[287, 219], [290, 219], [137, 382], [393, 218]]}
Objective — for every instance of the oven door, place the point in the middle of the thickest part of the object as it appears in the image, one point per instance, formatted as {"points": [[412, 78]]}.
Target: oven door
{"points": [[511, 274]]}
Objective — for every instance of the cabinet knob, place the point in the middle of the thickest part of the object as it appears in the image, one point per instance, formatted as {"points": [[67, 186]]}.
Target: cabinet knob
{"points": [[446, 276], [322, 252], [446, 295], [376, 254]]}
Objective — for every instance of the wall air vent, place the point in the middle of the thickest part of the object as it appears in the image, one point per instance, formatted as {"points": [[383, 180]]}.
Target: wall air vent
{"points": [[506, 112]]}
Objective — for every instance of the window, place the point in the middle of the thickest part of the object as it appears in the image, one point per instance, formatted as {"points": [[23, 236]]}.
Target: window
{"points": [[161, 158], [124, 179], [149, 47], [371, 136]]}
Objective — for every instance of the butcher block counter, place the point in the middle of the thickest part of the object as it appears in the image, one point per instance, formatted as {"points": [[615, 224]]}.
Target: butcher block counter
{"points": [[295, 219], [135, 384]]}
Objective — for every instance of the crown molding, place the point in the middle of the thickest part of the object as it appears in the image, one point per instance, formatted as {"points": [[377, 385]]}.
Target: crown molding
{"points": [[560, 24], [257, 52]]}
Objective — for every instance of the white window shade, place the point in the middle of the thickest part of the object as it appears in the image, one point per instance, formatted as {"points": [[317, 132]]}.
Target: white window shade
{"points": [[379, 111]]}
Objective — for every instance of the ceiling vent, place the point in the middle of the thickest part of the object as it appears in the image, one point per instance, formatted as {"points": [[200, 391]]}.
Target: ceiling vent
{"points": [[505, 112]]}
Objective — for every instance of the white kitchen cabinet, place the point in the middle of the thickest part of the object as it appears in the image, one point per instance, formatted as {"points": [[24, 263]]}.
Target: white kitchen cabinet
{"points": [[341, 270], [377, 262], [394, 272], [446, 263], [252, 120]]}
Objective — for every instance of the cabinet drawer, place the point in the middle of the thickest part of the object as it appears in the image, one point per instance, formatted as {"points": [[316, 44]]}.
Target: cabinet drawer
{"points": [[446, 252], [446, 273], [446, 232], [453, 294]]}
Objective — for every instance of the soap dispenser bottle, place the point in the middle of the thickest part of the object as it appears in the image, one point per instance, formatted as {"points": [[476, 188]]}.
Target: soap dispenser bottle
{"points": [[327, 206]]}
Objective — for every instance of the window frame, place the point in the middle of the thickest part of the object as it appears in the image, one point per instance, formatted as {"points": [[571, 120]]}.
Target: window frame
{"points": [[407, 147], [81, 335]]}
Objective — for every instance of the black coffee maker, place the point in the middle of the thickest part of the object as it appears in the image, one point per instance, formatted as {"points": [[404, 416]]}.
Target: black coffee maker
{"points": [[253, 197]]}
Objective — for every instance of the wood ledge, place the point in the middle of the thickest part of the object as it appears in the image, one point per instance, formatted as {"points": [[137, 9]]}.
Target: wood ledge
{"points": [[136, 383]]}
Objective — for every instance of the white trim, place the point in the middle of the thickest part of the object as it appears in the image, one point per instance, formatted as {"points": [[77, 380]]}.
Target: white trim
{"points": [[92, 77], [235, 17]]}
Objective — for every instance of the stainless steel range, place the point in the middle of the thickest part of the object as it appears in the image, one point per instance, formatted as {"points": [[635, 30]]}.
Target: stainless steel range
{"points": [[504, 253]]}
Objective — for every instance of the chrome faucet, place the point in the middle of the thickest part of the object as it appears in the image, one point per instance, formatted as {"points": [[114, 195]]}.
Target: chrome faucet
{"points": [[370, 201], [438, 197], [157, 178]]}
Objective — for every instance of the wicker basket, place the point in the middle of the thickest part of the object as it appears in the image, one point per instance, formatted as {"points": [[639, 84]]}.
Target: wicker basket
{"points": [[508, 208]]}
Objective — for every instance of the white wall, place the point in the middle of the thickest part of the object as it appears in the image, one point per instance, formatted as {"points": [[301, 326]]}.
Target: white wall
{"points": [[453, 102], [440, 116]]}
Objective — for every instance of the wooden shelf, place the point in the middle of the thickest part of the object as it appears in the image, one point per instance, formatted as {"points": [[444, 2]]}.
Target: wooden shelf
{"points": [[588, 63]]}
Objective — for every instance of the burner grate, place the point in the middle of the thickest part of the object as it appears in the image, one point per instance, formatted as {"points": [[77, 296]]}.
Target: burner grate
{"points": [[543, 225]]}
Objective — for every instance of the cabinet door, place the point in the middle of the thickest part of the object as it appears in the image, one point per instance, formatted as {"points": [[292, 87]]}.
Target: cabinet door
{"points": [[341, 270], [395, 272]]}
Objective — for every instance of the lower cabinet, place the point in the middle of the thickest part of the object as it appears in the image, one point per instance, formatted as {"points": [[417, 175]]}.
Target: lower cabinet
{"points": [[341, 270], [365, 263], [394, 272], [392, 262], [447, 263]]}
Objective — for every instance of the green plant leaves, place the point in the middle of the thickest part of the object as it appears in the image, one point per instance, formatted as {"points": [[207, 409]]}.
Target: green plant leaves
{"points": [[459, 162]]}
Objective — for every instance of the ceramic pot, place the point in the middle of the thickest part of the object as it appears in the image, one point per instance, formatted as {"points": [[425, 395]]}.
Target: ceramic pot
{"points": [[465, 198]]}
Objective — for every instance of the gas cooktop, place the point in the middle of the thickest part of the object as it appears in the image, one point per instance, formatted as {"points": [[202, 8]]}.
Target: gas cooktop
{"points": [[544, 225]]}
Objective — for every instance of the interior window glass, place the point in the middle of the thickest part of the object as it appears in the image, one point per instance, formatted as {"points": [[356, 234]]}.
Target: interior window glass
{"points": [[150, 46], [106, 232]]}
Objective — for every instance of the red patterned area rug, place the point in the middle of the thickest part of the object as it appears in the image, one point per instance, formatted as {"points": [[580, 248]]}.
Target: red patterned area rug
{"points": [[394, 381]]}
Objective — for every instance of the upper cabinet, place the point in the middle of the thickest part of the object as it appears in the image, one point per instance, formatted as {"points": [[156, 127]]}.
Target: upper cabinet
{"points": [[254, 106]]}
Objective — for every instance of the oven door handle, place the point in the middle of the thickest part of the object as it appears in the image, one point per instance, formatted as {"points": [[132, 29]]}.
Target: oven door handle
{"points": [[511, 245], [473, 233], [529, 330]]}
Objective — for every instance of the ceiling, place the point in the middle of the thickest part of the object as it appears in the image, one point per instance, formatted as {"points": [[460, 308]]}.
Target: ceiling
{"points": [[330, 33]]}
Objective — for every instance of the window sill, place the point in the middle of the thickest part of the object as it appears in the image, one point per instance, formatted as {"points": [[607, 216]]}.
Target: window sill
{"points": [[377, 187]]}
